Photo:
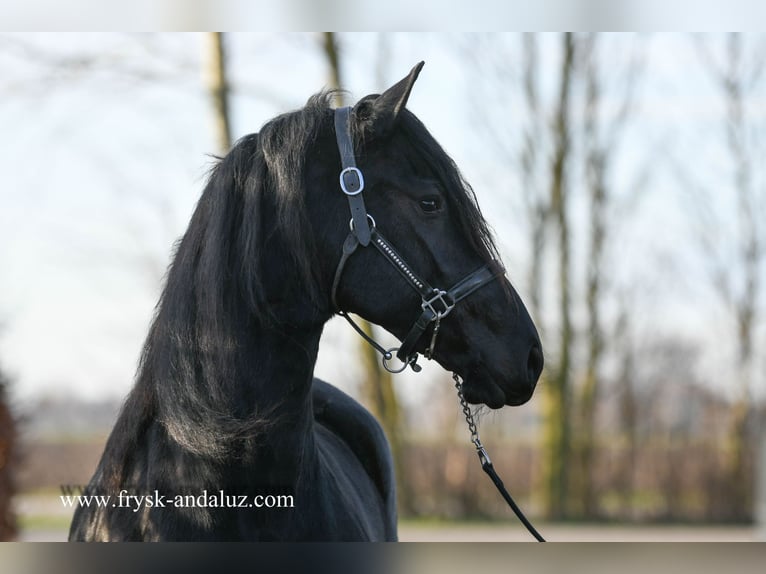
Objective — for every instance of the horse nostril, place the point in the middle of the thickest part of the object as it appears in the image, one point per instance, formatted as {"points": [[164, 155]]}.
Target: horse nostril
{"points": [[534, 364]]}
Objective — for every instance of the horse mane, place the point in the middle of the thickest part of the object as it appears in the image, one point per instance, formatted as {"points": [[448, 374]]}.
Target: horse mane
{"points": [[194, 361]]}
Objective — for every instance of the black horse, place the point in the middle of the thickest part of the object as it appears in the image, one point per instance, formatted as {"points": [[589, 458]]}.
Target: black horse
{"points": [[225, 403]]}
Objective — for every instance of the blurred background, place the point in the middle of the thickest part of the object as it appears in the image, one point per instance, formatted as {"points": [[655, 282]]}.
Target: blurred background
{"points": [[622, 176]]}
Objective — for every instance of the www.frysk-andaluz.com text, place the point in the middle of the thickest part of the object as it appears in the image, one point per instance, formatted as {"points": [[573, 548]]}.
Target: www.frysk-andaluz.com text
{"points": [[77, 496]]}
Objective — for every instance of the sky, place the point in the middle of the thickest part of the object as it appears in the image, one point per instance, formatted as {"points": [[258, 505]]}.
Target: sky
{"points": [[105, 142]]}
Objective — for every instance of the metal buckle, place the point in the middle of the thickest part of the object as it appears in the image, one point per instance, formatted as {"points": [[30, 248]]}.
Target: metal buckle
{"points": [[438, 296], [355, 179]]}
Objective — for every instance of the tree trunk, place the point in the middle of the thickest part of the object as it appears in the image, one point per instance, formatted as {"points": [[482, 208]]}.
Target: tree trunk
{"points": [[596, 165], [8, 442], [558, 392], [332, 54], [628, 412], [739, 285], [216, 82]]}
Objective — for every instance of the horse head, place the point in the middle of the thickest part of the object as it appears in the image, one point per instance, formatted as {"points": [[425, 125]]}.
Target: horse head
{"points": [[415, 196]]}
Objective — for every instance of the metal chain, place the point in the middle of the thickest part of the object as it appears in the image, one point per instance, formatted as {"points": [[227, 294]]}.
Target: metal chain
{"points": [[483, 456], [466, 409]]}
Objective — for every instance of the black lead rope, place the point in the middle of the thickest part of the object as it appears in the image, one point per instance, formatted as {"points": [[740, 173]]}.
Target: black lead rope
{"points": [[486, 462]]}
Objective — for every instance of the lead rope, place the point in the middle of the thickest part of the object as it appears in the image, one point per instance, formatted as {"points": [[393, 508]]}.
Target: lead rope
{"points": [[486, 462]]}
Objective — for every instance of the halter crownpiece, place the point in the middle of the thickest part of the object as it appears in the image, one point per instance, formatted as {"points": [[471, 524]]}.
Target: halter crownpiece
{"points": [[351, 178]]}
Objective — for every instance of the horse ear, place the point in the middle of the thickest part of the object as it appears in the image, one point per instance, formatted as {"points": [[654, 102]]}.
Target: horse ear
{"points": [[383, 111]]}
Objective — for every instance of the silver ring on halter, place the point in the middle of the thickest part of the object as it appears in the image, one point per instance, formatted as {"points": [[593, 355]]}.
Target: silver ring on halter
{"points": [[392, 353], [351, 222]]}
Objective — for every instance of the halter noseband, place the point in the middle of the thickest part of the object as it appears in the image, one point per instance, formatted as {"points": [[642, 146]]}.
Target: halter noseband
{"points": [[435, 303]]}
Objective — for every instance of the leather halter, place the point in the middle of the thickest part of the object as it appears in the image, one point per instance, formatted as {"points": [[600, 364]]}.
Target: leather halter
{"points": [[435, 303]]}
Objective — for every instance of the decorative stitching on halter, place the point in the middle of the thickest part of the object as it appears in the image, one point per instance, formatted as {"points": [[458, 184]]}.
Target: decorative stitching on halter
{"points": [[398, 262]]}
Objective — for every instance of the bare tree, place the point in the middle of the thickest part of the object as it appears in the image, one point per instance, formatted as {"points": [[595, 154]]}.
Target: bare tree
{"points": [[738, 278], [628, 409], [601, 138], [597, 157], [542, 158], [558, 391]]}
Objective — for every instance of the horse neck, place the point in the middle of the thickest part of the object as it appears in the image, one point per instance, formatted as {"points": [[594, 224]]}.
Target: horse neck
{"points": [[240, 395], [278, 388]]}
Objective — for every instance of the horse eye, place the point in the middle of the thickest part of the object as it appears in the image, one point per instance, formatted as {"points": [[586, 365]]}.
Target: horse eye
{"points": [[430, 204]]}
